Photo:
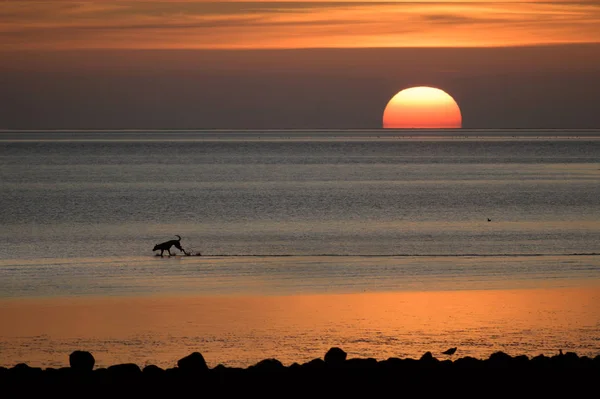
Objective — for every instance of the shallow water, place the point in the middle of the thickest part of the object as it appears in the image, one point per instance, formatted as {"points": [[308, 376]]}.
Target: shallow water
{"points": [[288, 275], [296, 194], [375, 242], [239, 331]]}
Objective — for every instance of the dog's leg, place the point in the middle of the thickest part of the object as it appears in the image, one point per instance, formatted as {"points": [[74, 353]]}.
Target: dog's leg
{"points": [[180, 248]]}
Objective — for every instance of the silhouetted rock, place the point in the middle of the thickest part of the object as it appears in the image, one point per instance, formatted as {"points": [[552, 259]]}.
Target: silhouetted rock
{"points": [[315, 364], [428, 358], [446, 364], [410, 364], [152, 370], [334, 376], [361, 364], [295, 366], [571, 356], [223, 373], [499, 360], [520, 361], [125, 370], [467, 363], [23, 370], [81, 361], [172, 373], [394, 365], [586, 362], [268, 365], [335, 357], [193, 362], [567, 360], [541, 362]]}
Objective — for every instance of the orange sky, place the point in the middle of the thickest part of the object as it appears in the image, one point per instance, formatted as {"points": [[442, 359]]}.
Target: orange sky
{"points": [[113, 24], [305, 64]]}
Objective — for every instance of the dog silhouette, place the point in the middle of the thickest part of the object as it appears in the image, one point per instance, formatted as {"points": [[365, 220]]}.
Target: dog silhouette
{"points": [[166, 246]]}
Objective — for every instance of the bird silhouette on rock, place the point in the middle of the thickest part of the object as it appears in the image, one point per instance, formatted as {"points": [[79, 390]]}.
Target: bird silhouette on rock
{"points": [[449, 351]]}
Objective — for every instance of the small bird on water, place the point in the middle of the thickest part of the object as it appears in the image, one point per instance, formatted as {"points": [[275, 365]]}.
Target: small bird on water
{"points": [[450, 351]]}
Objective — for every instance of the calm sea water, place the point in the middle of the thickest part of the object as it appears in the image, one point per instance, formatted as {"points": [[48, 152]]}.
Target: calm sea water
{"points": [[110, 196], [298, 212]]}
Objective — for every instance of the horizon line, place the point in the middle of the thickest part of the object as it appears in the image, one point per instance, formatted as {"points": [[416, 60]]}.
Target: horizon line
{"points": [[390, 47], [380, 129]]}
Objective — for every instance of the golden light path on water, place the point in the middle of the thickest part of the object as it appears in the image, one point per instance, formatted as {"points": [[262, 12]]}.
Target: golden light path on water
{"points": [[242, 330]]}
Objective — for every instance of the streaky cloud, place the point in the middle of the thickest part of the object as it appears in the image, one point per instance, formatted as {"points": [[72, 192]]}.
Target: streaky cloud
{"points": [[294, 24]]}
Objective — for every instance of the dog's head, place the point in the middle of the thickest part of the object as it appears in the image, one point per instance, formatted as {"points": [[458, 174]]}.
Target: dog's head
{"points": [[155, 247]]}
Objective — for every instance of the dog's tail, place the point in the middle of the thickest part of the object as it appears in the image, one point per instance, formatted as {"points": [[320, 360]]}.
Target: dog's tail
{"points": [[178, 237]]}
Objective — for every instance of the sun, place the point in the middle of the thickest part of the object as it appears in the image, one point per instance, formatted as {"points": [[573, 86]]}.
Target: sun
{"points": [[422, 108]]}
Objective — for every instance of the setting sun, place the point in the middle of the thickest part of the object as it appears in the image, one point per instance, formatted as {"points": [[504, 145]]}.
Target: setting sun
{"points": [[422, 107]]}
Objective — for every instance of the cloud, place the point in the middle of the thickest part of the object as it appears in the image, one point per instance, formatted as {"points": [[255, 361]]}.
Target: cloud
{"points": [[304, 24]]}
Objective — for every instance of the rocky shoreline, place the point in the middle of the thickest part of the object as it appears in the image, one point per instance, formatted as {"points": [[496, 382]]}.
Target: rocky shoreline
{"points": [[332, 375]]}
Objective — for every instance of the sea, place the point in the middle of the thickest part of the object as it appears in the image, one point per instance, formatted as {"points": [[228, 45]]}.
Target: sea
{"points": [[382, 242]]}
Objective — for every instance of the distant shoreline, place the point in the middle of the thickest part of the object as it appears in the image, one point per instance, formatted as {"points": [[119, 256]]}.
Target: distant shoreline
{"points": [[325, 130], [9, 136]]}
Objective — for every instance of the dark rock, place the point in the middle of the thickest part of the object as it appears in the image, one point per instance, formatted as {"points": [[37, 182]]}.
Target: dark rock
{"points": [[101, 374], [410, 364], [193, 362], [152, 370], [586, 362], [268, 365], [24, 366], [125, 370], [499, 359], [571, 358], [335, 357], [540, 361], [391, 361], [391, 365], [81, 361], [219, 367], [63, 372], [567, 360], [361, 364], [315, 364], [172, 372], [295, 366], [24, 370], [337, 374], [521, 360], [468, 363], [428, 361]]}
